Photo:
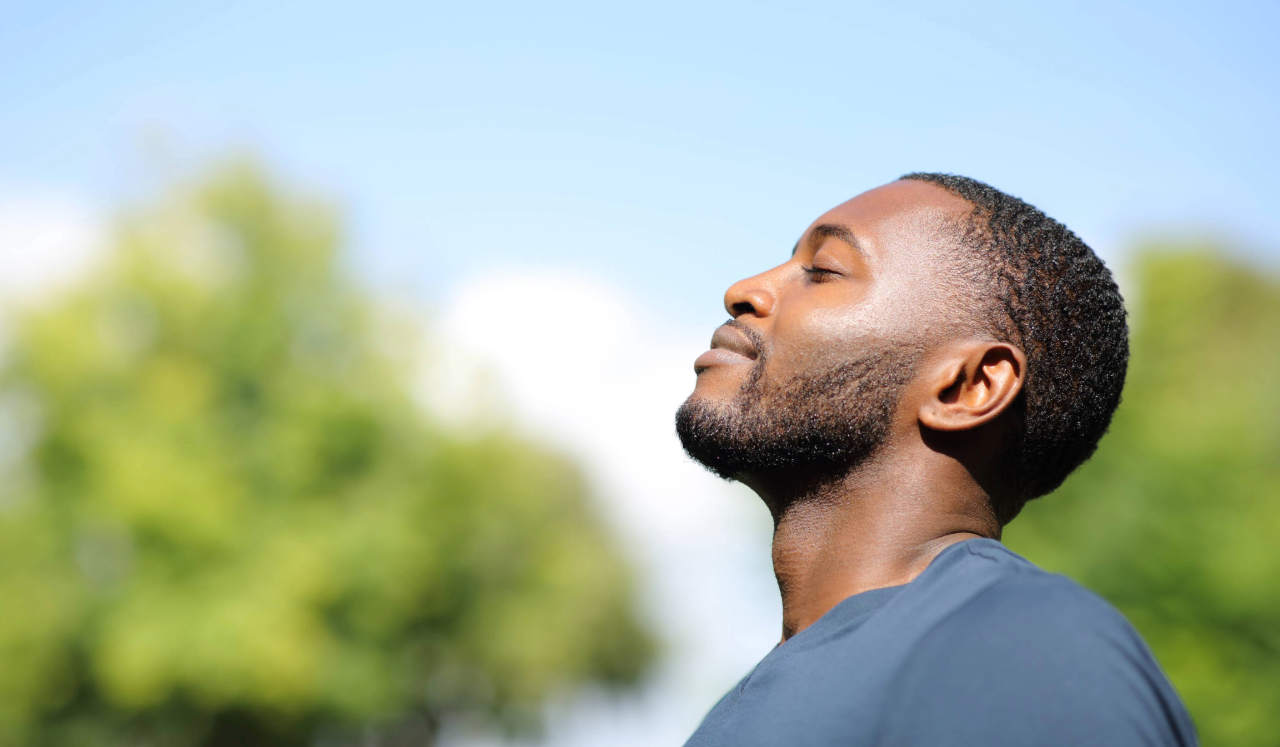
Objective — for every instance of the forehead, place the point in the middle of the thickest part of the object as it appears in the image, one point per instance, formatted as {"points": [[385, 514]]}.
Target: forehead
{"points": [[900, 219]]}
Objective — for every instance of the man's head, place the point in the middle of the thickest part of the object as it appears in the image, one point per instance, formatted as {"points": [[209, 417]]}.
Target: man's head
{"points": [[934, 308]]}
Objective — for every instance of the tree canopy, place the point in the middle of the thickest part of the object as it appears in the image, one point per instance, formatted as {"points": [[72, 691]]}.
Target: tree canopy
{"points": [[1175, 518], [224, 520]]}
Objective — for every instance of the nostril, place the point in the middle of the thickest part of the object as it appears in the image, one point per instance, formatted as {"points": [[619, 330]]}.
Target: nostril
{"points": [[742, 307]]}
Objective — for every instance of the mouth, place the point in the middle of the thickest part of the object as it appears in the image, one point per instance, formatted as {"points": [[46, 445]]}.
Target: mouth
{"points": [[730, 345]]}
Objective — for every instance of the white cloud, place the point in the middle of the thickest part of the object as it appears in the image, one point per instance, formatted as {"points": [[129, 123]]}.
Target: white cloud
{"points": [[585, 364], [46, 242]]}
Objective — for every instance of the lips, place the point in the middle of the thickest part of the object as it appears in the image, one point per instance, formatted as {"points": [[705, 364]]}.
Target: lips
{"points": [[734, 340], [730, 345]]}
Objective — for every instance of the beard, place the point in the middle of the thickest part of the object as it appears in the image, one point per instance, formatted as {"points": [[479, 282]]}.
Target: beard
{"points": [[823, 422]]}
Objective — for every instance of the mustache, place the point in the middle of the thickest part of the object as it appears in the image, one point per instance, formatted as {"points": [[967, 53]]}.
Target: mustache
{"points": [[754, 337]]}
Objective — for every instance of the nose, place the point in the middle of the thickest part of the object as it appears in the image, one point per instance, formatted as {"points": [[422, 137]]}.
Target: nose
{"points": [[750, 296]]}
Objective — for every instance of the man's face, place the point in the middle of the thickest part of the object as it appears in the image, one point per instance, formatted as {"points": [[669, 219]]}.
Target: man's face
{"points": [[812, 368]]}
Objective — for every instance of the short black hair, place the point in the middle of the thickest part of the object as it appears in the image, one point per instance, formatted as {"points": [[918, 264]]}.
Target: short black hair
{"points": [[1055, 300]]}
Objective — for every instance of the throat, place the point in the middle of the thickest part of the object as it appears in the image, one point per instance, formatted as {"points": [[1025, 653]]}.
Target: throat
{"points": [[830, 548]]}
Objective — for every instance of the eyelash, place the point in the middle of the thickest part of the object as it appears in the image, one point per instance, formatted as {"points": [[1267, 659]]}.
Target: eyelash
{"points": [[816, 274]]}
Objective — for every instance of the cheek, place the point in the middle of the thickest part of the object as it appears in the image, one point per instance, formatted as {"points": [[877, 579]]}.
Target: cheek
{"points": [[823, 337]]}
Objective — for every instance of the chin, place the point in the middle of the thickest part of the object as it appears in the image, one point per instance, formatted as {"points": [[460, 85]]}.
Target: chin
{"points": [[720, 384], [713, 396]]}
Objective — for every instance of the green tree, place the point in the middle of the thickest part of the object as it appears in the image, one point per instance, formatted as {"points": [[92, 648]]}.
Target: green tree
{"points": [[223, 520], [1175, 519]]}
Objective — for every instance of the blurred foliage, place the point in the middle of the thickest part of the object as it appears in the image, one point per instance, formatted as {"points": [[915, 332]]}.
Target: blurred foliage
{"points": [[1175, 519], [223, 520]]}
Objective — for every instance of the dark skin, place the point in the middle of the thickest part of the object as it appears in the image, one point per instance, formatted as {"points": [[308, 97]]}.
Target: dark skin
{"points": [[873, 269]]}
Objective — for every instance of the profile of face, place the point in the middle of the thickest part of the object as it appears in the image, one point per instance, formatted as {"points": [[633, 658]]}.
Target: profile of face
{"points": [[818, 367]]}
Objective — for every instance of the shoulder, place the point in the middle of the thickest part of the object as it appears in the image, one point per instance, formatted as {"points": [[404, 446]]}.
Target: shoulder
{"points": [[1031, 654], [980, 593], [1033, 606], [1020, 597]]}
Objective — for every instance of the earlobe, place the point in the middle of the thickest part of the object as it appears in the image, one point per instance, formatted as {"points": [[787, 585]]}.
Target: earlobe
{"points": [[977, 381]]}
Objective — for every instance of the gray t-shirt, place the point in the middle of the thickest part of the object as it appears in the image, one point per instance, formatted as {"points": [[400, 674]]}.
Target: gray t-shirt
{"points": [[983, 648]]}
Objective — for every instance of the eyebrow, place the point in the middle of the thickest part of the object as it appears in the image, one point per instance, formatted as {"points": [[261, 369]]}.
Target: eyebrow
{"points": [[834, 231]]}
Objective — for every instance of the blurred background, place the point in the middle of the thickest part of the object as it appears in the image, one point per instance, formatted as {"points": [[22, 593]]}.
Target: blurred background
{"points": [[340, 345]]}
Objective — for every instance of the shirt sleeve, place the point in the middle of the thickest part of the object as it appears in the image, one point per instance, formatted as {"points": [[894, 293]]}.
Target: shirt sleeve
{"points": [[1033, 660]]}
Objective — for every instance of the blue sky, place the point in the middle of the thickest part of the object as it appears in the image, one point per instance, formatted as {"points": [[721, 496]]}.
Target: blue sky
{"points": [[668, 147]]}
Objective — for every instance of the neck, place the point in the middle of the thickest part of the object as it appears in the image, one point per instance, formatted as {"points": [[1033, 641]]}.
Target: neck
{"points": [[873, 529]]}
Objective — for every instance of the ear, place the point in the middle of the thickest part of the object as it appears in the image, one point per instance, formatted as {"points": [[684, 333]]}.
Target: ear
{"points": [[971, 383]]}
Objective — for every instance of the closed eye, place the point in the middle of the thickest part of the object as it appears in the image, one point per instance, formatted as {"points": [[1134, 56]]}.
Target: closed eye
{"points": [[817, 274]]}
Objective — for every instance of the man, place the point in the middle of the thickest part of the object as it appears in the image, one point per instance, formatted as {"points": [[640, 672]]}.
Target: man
{"points": [[934, 354]]}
